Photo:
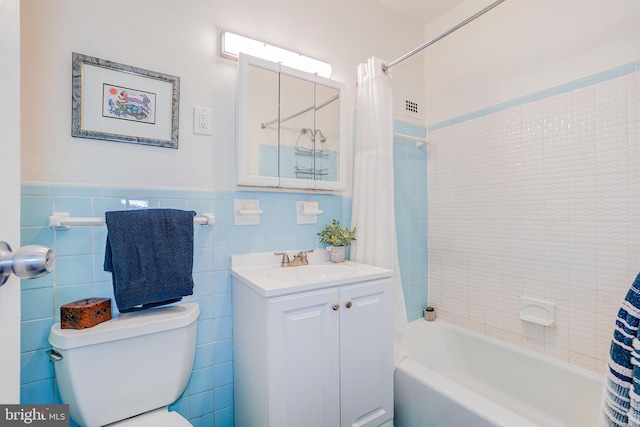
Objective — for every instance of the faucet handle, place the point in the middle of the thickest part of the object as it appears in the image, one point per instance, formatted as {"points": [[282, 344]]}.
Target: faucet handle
{"points": [[285, 258], [303, 256]]}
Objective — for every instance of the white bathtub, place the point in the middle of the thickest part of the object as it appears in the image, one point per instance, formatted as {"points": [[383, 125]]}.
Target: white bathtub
{"points": [[455, 378]]}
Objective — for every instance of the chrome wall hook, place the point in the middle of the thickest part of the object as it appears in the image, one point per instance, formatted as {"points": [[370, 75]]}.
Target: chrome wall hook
{"points": [[28, 262]]}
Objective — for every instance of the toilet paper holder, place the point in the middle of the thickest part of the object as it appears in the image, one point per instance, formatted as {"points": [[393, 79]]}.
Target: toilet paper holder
{"points": [[28, 262]]}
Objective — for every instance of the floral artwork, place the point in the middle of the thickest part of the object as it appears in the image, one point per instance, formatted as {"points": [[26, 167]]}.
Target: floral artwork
{"points": [[128, 104]]}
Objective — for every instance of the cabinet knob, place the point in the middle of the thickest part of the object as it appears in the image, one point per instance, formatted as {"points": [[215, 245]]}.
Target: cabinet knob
{"points": [[335, 306], [348, 304]]}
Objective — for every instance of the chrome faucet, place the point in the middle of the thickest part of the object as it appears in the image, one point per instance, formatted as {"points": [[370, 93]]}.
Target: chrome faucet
{"points": [[299, 259]]}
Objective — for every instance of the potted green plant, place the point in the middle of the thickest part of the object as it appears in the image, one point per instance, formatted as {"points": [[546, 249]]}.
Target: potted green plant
{"points": [[338, 238], [430, 314]]}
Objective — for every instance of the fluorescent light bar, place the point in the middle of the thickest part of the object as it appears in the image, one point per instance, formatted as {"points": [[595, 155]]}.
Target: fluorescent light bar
{"points": [[232, 44]]}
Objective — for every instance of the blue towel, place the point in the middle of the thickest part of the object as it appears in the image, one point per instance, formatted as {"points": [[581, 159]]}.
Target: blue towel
{"points": [[150, 255], [621, 397]]}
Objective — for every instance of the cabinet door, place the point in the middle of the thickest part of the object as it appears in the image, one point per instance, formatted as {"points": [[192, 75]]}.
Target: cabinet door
{"points": [[297, 124], [304, 371], [258, 126], [290, 128], [366, 354], [329, 152]]}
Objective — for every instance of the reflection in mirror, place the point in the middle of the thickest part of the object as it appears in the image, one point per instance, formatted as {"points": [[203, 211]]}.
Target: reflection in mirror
{"points": [[296, 115], [263, 87], [289, 128], [327, 120]]}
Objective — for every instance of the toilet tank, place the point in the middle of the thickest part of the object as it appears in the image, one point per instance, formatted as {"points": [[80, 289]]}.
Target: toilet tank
{"points": [[126, 366]]}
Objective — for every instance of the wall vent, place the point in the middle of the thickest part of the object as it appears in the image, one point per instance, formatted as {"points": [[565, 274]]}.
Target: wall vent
{"points": [[411, 108]]}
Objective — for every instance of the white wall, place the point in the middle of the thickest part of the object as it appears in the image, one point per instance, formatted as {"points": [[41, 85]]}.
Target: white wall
{"points": [[181, 38], [521, 47]]}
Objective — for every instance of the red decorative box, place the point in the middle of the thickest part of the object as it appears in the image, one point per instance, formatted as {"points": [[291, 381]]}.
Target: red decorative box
{"points": [[85, 313]]}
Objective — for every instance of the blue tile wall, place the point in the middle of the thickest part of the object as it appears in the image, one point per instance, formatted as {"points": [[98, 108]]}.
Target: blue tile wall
{"points": [[410, 170], [208, 399]]}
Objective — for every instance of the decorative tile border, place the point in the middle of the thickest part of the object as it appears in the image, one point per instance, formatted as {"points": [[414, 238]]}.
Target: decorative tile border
{"points": [[563, 88]]}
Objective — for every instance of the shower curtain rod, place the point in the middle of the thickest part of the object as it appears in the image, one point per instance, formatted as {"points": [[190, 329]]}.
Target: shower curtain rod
{"points": [[385, 67]]}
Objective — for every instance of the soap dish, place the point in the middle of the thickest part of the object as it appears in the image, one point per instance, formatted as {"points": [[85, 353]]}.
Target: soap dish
{"points": [[538, 312]]}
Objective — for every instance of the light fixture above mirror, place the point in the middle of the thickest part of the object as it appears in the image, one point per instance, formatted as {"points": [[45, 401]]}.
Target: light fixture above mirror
{"points": [[232, 44]]}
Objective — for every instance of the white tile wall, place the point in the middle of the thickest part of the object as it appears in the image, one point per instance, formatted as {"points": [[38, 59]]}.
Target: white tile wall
{"points": [[539, 200]]}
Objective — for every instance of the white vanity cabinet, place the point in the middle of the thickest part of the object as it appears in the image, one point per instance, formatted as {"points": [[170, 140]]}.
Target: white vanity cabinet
{"points": [[317, 357]]}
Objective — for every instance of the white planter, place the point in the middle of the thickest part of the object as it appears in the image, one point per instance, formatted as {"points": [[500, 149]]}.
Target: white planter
{"points": [[336, 253]]}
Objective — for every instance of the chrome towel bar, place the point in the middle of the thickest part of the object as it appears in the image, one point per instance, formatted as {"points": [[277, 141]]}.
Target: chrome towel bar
{"points": [[62, 220]]}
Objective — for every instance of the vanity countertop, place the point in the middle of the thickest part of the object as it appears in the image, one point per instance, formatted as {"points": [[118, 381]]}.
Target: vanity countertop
{"points": [[263, 273]]}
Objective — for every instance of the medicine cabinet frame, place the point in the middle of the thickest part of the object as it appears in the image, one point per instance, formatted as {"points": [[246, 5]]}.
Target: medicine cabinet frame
{"points": [[248, 155]]}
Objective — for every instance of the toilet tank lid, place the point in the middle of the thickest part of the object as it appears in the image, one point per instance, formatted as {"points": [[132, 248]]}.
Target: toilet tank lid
{"points": [[126, 325]]}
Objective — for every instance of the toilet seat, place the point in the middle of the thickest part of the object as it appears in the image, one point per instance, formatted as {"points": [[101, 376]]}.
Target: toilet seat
{"points": [[161, 417]]}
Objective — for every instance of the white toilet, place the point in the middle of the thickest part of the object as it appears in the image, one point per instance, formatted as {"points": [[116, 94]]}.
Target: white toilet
{"points": [[126, 371]]}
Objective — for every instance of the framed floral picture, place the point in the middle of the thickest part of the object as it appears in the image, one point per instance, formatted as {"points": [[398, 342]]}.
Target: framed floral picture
{"points": [[118, 102]]}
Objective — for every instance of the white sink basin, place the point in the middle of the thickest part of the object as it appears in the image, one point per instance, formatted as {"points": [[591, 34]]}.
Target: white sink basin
{"points": [[312, 273], [262, 272]]}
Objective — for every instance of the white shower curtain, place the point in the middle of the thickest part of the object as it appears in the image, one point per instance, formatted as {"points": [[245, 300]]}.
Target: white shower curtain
{"points": [[373, 199]]}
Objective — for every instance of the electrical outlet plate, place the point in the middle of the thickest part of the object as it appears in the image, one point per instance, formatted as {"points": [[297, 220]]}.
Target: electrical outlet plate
{"points": [[202, 121]]}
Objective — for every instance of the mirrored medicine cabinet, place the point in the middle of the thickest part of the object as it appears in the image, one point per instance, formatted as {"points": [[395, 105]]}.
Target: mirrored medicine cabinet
{"points": [[290, 131]]}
